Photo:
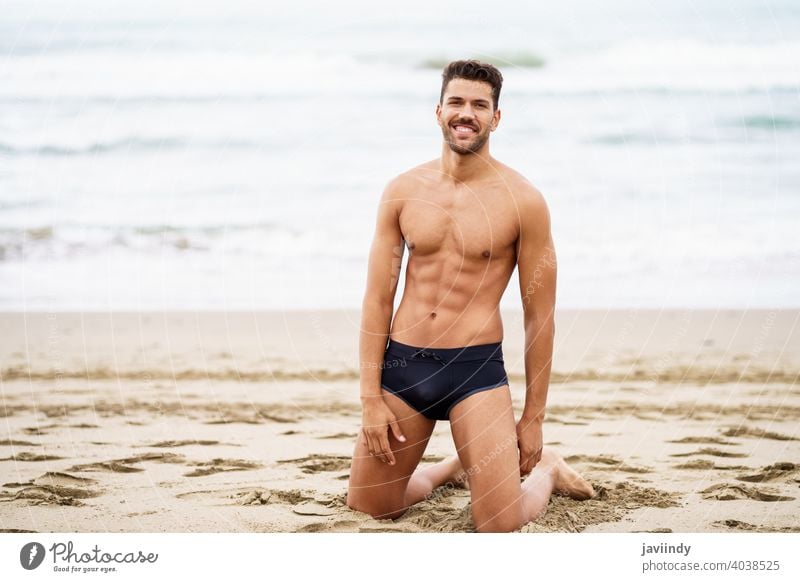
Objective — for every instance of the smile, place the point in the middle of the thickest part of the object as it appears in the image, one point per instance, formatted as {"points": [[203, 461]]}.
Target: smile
{"points": [[463, 129]]}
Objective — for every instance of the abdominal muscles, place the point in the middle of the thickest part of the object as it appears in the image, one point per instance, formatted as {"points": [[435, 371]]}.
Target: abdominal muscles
{"points": [[449, 303]]}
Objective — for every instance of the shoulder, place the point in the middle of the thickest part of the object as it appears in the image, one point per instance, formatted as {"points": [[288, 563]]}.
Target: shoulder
{"points": [[531, 204], [523, 189], [409, 181]]}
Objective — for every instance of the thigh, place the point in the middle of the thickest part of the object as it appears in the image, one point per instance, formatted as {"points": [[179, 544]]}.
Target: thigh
{"points": [[377, 487], [485, 435]]}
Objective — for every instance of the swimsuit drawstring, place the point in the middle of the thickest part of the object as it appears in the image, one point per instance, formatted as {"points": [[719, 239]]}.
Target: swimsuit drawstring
{"points": [[427, 354]]}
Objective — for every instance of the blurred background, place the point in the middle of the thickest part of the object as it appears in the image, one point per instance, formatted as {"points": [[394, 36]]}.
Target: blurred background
{"points": [[218, 155]]}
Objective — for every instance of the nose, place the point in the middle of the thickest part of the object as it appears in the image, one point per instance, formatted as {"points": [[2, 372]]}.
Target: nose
{"points": [[467, 111]]}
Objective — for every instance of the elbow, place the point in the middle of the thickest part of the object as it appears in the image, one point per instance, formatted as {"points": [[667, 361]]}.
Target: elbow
{"points": [[373, 302], [540, 325]]}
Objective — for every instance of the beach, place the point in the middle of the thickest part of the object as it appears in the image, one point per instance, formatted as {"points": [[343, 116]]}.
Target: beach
{"points": [[204, 421]]}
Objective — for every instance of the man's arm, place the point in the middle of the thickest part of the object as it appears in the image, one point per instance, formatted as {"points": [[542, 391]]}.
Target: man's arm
{"points": [[385, 260], [536, 261], [383, 274]]}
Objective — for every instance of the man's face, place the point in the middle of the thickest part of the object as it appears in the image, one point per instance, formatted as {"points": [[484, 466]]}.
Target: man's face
{"points": [[466, 115]]}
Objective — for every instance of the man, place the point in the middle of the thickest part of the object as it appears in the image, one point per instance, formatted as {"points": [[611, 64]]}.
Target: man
{"points": [[467, 220]]}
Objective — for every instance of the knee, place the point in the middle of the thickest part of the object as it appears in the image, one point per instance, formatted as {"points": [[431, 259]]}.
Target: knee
{"points": [[375, 509], [504, 522], [498, 526]]}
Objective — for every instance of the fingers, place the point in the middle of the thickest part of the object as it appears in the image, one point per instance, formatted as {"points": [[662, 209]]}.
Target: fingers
{"points": [[397, 432], [528, 462], [524, 469], [378, 446], [386, 454], [370, 447]]}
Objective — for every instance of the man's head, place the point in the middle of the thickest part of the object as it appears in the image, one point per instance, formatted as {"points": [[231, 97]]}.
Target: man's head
{"points": [[473, 71], [468, 104]]}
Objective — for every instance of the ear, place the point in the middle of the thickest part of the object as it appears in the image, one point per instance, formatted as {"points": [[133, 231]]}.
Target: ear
{"points": [[438, 112], [495, 119]]}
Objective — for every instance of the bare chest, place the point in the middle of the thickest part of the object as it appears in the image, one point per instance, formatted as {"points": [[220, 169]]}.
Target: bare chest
{"points": [[475, 227]]}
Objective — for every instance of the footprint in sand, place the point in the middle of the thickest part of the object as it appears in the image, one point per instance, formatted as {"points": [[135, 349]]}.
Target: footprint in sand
{"points": [[313, 508], [318, 463], [233, 419], [743, 526], [34, 431], [262, 496], [730, 492], [340, 435], [751, 431], [605, 463], [556, 420], [220, 466], [708, 451], [31, 457], [258, 417], [241, 497], [53, 489], [126, 465], [170, 444], [783, 471], [15, 443], [706, 465], [109, 466], [706, 440]]}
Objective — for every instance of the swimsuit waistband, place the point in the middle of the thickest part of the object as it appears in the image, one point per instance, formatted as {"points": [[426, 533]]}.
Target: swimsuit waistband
{"points": [[447, 355]]}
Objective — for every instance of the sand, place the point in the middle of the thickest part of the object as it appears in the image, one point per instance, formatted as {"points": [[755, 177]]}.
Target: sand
{"points": [[684, 421]]}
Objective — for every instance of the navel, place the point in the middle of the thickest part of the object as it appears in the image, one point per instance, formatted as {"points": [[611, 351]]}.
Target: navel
{"points": [[433, 315], [487, 254]]}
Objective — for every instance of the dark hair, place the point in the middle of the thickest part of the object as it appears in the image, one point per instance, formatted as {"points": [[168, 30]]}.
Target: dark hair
{"points": [[473, 71]]}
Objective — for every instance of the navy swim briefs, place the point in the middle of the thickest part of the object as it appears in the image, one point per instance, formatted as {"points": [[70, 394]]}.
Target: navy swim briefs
{"points": [[433, 380]]}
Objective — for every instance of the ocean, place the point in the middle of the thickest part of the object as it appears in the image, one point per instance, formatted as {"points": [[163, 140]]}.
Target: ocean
{"points": [[169, 155]]}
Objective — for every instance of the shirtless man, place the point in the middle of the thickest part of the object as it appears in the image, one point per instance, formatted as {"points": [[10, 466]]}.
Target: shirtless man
{"points": [[467, 220]]}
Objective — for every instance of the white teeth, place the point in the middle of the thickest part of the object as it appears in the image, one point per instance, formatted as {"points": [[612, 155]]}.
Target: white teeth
{"points": [[463, 129]]}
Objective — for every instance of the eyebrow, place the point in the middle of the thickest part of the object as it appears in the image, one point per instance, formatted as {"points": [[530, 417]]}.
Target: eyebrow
{"points": [[479, 100]]}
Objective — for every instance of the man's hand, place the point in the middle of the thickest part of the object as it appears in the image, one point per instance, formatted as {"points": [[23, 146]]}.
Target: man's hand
{"points": [[529, 437], [377, 418]]}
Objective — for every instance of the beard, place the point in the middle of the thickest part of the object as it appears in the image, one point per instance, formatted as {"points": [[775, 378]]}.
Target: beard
{"points": [[462, 148]]}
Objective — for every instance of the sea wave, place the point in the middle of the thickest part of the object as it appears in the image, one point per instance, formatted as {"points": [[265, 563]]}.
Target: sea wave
{"points": [[129, 144], [525, 60], [257, 239], [771, 122], [676, 65]]}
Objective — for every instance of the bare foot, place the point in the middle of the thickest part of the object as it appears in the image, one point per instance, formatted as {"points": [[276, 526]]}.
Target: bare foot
{"points": [[457, 476], [568, 480]]}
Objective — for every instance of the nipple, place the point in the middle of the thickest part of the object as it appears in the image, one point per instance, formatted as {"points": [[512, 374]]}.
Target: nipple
{"points": [[487, 254]]}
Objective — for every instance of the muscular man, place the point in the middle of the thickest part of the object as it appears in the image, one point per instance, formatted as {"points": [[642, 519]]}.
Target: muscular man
{"points": [[467, 220]]}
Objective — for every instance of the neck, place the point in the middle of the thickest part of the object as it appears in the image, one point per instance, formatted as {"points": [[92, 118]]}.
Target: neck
{"points": [[465, 167]]}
